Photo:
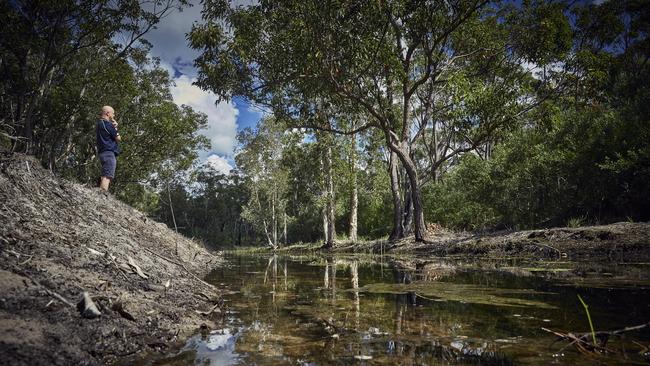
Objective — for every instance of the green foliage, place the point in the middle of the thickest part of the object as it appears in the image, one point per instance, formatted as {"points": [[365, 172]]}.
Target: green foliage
{"points": [[259, 159], [208, 207], [579, 158], [464, 208], [541, 178], [444, 85], [541, 31], [374, 195], [60, 65], [575, 222]]}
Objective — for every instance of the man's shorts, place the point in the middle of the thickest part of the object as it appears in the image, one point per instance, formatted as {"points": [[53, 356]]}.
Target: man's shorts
{"points": [[108, 161]]}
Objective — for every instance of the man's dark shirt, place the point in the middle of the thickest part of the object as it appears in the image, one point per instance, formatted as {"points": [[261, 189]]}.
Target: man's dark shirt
{"points": [[106, 136]]}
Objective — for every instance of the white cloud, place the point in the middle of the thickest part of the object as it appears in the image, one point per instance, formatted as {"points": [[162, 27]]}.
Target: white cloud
{"points": [[169, 42], [219, 164], [167, 66], [222, 117], [169, 38]]}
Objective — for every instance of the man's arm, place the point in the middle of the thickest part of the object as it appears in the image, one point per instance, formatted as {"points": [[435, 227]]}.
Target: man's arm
{"points": [[112, 130], [117, 136]]}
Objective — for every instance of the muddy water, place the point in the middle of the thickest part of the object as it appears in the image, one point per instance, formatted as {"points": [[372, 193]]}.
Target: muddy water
{"points": [[385, 311]]}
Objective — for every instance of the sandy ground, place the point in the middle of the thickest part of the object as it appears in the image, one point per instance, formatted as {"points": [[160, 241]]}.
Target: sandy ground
{"points": [[59, 240]]}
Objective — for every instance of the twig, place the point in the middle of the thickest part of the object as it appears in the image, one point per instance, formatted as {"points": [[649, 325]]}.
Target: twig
{"points": [[59, 297], [559, 253], [424, 297], [120, 270], [182, 266], [14, 253], [579, 340], [626, 329], [49, 292], [214, 308]]}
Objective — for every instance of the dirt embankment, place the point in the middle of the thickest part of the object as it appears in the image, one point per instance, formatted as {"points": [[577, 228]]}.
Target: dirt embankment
{"points": [[623, 241], [58, 240]]}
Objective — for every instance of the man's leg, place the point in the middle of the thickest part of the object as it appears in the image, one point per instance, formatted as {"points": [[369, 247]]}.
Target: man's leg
{"points": [[103, 184], [108, 162]]}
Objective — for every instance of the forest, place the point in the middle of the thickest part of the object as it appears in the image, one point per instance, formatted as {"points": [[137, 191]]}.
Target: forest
{"points": [[382, 119]]}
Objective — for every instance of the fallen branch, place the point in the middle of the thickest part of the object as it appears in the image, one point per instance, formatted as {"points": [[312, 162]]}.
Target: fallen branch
{"points": [[120, 270], [559, 253], [137, 268], [49, 292], [54, 294], [214, 308], [582, 341], [182, 266]]}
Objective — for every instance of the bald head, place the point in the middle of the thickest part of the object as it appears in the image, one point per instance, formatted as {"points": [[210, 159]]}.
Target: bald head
{"points": [[107, 112]]}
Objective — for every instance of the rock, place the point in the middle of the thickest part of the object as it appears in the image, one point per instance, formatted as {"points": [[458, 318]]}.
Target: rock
{"points": [[87, 307]]}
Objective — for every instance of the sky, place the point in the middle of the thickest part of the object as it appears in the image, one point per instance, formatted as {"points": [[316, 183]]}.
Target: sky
{"points": [[224, 119]]}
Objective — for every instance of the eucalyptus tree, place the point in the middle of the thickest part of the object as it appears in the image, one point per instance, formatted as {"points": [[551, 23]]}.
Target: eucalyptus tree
{"points": [[376, 55], [259, 158], [353, 219]]}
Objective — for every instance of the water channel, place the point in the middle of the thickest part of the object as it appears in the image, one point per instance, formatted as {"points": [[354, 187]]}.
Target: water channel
{"points": [[314, 310]]}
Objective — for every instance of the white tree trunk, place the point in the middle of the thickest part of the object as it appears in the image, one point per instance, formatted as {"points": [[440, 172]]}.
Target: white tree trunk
{"points": [[354, 198]]}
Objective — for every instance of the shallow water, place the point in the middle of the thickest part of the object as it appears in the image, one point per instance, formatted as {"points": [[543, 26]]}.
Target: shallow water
{"points": [[379, 310]]}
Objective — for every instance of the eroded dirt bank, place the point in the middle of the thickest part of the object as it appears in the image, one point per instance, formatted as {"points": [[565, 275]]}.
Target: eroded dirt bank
{"points": [[623, 241], [58, 240]]}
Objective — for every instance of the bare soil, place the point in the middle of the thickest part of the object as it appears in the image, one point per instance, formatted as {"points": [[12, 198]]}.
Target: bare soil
{"points": [[58, 240], [623, 241]]}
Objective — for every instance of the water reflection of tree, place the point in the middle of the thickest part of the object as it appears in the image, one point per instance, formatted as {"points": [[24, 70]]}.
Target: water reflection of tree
{"points": [[272, 266], [354, 275], [334, 325]]}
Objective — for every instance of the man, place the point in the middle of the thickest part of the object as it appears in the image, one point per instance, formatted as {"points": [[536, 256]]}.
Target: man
{"points": [[107, 145]]}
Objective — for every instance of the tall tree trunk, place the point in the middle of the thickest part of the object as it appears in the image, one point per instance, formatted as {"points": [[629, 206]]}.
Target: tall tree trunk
{"points": [[416, 195], [331, 201], [171, 208], [266, 229], [324, 216], [398, 230], [324, 200], [407, 224], [45, 80], [274, 217], [327, 182], [354, 198], [285, 229]]}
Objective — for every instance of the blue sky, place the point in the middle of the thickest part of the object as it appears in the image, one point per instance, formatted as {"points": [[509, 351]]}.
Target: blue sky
{"points": [[224, 119]]}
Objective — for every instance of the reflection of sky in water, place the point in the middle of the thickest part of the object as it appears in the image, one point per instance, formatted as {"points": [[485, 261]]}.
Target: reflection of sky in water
{"points": [[217, 349]]}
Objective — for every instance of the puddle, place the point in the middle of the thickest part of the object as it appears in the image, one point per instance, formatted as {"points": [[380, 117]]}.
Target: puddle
{"points": [[381, 311]]}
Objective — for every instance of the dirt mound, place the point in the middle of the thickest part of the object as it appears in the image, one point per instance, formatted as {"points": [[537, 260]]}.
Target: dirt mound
{"points": [[622, 241], [58, 240]]}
